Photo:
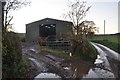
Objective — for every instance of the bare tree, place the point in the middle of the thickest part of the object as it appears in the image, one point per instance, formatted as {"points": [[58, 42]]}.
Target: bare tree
{"points": [[77, 11], [87, 28], [10, 6]]}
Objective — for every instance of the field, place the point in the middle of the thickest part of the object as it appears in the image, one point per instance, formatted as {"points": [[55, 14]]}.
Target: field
{"points": [[109, 38], [112, 42]]}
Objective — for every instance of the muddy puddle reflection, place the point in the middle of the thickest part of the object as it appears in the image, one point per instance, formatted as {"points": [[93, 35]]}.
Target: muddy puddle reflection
{"points": [[46, 75], [84, 69], [70, 68], [78, 70]]}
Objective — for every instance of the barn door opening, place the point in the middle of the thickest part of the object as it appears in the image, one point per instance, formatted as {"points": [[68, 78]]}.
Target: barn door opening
{"points": [[46, 30]]}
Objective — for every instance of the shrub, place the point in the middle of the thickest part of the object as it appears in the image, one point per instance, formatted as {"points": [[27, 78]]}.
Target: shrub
{"points": [[11, 48], [11, 54], [83, 50]]}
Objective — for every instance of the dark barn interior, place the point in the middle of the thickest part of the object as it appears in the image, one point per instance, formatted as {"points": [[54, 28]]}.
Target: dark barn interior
{"points": [[46, 30]]}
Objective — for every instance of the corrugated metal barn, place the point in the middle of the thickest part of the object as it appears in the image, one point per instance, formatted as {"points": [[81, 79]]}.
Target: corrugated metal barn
{"points": [[47, 27]]}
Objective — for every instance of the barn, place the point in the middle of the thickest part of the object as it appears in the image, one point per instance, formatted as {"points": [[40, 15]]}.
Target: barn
{"points": [[48, 27]]}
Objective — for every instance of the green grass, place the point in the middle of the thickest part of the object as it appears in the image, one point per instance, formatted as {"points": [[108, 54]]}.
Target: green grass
{"points": [[56, 52], [89, 52], [111, 42], [111, 39]]}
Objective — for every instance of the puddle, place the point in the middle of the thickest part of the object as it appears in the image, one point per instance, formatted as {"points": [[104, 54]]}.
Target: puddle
{"points": [[82, 70], [67, 68], [50, 56], [98, 60], [111, 53], [36, 62], [101, 73], [39, 64], [91, 74], [33, 50], [47, 75], [78, 69], [103, 56]]}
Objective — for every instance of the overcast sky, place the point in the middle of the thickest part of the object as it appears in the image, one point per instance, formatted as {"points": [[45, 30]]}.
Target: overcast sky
{"points": [[101, 10]]}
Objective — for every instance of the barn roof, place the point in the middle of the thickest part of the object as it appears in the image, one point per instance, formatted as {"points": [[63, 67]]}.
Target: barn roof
{"points": [[51, 19]]}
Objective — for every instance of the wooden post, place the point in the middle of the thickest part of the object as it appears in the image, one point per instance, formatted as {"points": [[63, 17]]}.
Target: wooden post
{"points": [[2, 4], [0, 40]]}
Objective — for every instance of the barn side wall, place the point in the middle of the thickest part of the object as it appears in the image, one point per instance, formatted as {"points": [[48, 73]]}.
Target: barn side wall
{"points": [[32, 32], [32, 29]]}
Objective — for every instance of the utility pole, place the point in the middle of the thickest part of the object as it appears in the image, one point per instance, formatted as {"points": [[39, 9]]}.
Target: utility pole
{"points": [[104, 27], [104, 30]]}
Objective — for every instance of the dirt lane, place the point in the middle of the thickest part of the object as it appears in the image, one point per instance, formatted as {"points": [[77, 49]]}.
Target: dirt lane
{"points": [[49, 63], [45, 63], [113, 59]]}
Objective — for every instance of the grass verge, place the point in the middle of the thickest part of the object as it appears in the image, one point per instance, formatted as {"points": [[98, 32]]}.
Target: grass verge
{"points": [[111, 42], [112, 45], [56, 52], [83, 52]]}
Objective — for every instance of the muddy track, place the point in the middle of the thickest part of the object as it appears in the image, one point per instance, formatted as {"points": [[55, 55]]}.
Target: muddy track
{"points": [[53, 65], [49, 63]]}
